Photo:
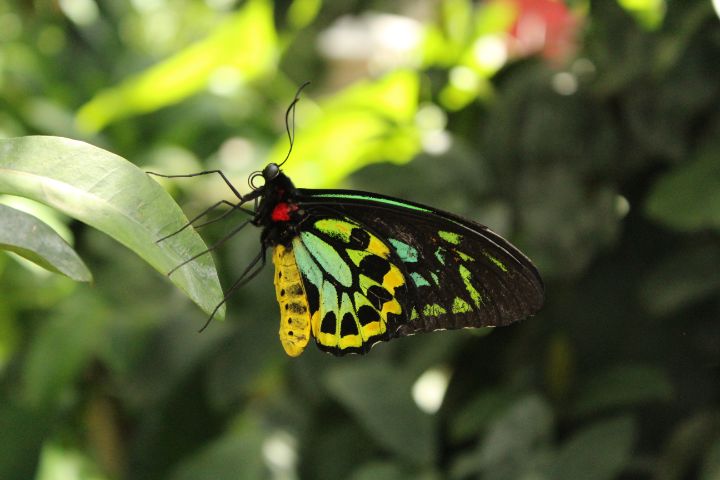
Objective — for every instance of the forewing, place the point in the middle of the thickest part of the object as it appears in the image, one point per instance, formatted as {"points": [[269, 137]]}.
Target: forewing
{"points": [[460, 274]]}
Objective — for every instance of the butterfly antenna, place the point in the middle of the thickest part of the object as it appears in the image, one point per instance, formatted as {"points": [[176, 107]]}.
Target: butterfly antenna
{"points": [[291, 130]]}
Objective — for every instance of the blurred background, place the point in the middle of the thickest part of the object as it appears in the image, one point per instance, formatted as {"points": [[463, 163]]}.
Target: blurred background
{"points": [[587, 132]]}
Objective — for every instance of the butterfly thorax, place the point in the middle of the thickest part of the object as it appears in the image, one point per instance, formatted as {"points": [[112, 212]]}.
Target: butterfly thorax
{"points": [[279, 212]]}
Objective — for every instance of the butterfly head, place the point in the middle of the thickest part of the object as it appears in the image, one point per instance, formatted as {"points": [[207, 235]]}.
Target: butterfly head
{"points": [[268, 174], [270, 171]]}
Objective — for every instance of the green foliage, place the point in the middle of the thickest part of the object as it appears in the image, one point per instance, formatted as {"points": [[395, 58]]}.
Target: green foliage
{"points": [[108, 193], [31, 238], [601, 164]]}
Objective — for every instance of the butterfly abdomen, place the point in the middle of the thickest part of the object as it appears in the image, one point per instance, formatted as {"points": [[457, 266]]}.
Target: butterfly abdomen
{"points": [[294, 310]]}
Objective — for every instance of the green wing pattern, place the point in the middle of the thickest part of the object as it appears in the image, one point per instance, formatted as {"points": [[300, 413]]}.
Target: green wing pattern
{"points": [[460, 274], [356, 291]]}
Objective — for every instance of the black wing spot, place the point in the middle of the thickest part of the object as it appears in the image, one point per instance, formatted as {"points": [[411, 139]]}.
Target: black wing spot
{"points": [[367, 314], [298, 308], [374, 267], [290, 333], [313, 296], [296, 289], [359, 239], [279, 273], [282, 292], [378, 296], [348, 325], [329, 323]]}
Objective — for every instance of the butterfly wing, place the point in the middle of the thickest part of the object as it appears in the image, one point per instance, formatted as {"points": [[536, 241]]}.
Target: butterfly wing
{"points": [[457, 273], [355, 290]]}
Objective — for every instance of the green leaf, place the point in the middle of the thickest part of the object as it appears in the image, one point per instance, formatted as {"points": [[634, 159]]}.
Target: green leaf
{"points": [[21, 434], [241, 49], [517, 443], [688, 198], [34, 240], [685, 276], [597, 453], [366, 123], [689, 441], [387, 470], [648, 13], [477, 414], [111, 194], [61, 349], [379, 397], [711, 464], [379, 471], [238, 454], [524, 427], [622, 386]]}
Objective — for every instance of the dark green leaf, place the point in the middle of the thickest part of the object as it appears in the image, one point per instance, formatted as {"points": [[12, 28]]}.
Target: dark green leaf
{"points": [[61, 349], [688, 198], [21, 435], [478, 413], [517, 442], [688, 442], [682, 278], [711, 464], [380, 400], [36, 241], [622, 386], [597, 453], [237, 454]]}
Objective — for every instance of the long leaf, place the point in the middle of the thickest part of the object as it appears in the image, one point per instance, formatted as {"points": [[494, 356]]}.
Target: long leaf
{"points": [[111, 194], [34, 240]]}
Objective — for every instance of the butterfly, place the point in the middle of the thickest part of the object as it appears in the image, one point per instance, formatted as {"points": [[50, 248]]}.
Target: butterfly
{"points": [[354, 268]]}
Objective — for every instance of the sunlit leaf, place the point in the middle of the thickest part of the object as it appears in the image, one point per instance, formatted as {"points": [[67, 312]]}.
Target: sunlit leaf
{"points": [[380, 400], [57, 460], [303, 12], [32, 239], [367, 123], [648, 13], [244, 44], [112, 195], [622, 386], [597, 453]]}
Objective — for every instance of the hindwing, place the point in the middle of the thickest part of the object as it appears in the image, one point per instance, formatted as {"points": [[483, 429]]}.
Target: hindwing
{"points": [[356, 290]]}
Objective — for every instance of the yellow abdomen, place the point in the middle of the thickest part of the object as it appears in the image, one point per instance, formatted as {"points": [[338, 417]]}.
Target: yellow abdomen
{"points": [[294, 310]]}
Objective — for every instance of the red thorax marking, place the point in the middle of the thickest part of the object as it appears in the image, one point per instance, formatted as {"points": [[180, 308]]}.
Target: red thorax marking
{"points": [[281, 212]]}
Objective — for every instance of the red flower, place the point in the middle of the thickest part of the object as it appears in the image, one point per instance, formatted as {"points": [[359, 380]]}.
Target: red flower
{"points": [[547, 27]]}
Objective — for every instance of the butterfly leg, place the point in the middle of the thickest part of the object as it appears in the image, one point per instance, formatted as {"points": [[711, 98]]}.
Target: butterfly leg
{"points": [[205, 212], [247, 275], [205, 172], [216, 245]]}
